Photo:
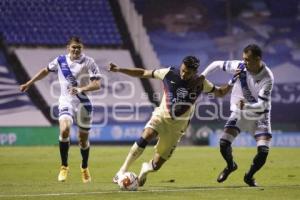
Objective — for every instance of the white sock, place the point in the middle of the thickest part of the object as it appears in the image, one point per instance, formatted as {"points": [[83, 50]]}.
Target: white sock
{"points": [[149, 167], [133, 154]]}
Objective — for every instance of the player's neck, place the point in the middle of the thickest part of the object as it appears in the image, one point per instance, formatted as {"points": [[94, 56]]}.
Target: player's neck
{"points": [[257, 69]]}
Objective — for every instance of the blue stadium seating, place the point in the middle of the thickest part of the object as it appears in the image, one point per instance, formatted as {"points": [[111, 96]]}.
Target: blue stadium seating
{"points": [[52, 22], [11, 97], [220, 35]]}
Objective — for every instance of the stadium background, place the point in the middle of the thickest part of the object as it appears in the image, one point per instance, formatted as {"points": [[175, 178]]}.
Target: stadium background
{"points": [[147, 34]]}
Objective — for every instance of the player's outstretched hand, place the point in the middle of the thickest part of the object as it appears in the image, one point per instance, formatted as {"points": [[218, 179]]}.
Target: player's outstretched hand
{"points": [[24, 87], [113, 68]]}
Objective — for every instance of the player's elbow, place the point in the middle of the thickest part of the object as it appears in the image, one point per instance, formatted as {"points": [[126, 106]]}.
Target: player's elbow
{"points": [[96, 84]]}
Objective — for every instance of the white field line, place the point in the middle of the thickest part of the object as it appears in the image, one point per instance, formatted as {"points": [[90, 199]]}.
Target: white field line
{"points": [[145, 191]]}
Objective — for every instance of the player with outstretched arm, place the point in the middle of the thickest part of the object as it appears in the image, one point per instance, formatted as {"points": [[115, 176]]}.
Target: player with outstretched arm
{"points": [[74, 104], [169, 121], [250, 109]]}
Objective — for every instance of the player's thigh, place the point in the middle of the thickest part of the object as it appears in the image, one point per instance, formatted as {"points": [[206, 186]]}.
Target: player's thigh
{"points": [[83, 117], [167, 143], [237, 122], [149, 134]]}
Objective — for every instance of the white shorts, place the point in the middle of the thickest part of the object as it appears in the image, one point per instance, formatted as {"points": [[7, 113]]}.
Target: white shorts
{"points": [[78, 112], [256, 124], [169, 134]]}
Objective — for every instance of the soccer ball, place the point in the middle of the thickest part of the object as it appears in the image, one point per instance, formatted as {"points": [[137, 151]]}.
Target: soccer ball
{"points": [[128, 181]]}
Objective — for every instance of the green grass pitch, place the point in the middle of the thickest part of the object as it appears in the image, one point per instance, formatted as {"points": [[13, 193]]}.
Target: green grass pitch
{"points": [[31, 173]]}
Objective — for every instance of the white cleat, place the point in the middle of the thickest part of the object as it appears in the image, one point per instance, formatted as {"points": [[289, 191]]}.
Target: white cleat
{"points": [[146, 168], [117, 176]]}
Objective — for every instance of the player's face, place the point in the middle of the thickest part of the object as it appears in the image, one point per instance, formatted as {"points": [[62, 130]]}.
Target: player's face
{"points": [[252, 62], [186, 73], [75, 50]]}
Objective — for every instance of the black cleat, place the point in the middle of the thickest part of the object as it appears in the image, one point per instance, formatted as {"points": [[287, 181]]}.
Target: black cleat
{"points": [[250, 181], [225, 173]]}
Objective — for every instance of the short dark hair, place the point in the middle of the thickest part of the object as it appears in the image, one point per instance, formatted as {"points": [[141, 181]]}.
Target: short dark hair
{"points": [[191, 62], [255, 50], [74, 39]]}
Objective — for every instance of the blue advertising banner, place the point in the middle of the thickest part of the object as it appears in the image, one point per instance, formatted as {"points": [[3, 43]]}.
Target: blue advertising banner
{"points": [[287, 139], [112, 133]]}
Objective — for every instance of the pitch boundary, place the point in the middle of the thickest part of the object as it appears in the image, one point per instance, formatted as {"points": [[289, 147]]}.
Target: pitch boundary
{"points": [[147, 191]]}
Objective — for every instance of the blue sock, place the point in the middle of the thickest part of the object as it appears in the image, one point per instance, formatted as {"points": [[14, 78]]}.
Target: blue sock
{"points": [[141, 142]]}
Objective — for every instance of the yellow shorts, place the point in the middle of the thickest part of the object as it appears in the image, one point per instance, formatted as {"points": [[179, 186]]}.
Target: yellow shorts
{"points": [[169, 134]]}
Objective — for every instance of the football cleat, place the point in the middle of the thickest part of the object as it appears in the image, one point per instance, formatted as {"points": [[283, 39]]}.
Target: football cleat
{"points": [[225, 173], [146, 168], [85, 175], [250, 181], [63, 173], [117, 177]]}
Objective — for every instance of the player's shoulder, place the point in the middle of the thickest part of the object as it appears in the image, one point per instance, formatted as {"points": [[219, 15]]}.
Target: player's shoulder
{"points": [[88, 58], [268, 73], [233, 64]]}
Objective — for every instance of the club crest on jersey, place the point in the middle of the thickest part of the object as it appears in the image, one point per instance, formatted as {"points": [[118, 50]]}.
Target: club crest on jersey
{"points": [[181, 93]]}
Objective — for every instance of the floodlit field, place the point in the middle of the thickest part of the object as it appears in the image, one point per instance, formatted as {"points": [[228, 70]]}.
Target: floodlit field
{"points": [[31, 173]]}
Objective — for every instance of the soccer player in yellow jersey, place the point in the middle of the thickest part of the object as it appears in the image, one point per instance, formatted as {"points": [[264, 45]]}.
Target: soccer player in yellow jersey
{"points": [[169, 121]]}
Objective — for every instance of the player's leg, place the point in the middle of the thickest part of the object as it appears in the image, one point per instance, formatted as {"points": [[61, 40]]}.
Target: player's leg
{"points": [[65, 122], [259, 160], [136, 150], [263, 137], [84, 144], [226, 152], [84, 120], [231, 130], [168, 140]]}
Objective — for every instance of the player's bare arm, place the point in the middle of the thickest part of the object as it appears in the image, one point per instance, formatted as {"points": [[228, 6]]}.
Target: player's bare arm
{"points": [[40, 75], [92, 86], [222, 91], [135, 72]]}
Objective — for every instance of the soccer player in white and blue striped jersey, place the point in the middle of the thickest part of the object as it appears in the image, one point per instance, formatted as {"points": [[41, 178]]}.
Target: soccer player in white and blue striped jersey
{"points": [[250, 108], [74, 104]]}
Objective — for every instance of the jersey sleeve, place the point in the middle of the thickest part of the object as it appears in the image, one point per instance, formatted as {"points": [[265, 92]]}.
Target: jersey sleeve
{"points": [[265, 91], [160, 73], [229, 66], [264, 98], [53, 65], [93, 70], [208, 86]]}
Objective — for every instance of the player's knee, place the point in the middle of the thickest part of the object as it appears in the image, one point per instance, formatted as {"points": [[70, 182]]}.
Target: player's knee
{"points": [[65, 132], [263, 150], [224, 143], [149, 134], [83, 142], [227, 138]]}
